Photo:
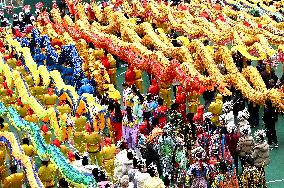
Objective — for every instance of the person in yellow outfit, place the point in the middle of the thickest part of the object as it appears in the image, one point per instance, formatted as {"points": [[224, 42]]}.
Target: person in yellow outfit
{"points": [[46, 173], [28, 149], [93, 141], [15, 180], [108, 153], [49, 100], [216, 108]]}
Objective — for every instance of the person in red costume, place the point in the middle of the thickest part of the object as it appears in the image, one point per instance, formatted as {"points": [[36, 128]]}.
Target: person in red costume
{"points": [[161, 113], [154, 88], [181, 100], [130, 76], [198, 117], [116, 122]]}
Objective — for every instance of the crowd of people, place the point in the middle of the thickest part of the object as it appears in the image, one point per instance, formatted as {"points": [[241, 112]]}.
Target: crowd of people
{"points": [[145, 143]]}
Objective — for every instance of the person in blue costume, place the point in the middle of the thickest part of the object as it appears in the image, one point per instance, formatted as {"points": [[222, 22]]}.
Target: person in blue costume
{"points": [[86, 87], [39, 57]]}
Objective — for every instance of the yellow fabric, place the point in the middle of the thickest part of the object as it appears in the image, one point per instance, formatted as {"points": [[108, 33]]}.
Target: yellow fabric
{"points": [[185, 40], [80, 140], [96, 158], [166, 95], [108, 153], [139, 84], [39, 90], [14, 181], [22, 111], [29, 80], [50, 99], [64, 109], [28, 150], [33, 118], [93, 141]]}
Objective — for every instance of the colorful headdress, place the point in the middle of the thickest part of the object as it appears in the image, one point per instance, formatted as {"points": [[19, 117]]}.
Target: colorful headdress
{"points": [[227, 106], [260, 135], [245, 130], [198, 153]]}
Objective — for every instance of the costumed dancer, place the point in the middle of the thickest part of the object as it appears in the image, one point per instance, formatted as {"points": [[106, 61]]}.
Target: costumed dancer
{"points": [[232, 139], [250, 177], [15, 180], [245, 143], [261, 154], [108, 153], [27, 148], [225, 179], [93, 146], [141, 176], [199, 170], [116, 122], [228, 115], [130, 128], [166, 147], [46, 173]]}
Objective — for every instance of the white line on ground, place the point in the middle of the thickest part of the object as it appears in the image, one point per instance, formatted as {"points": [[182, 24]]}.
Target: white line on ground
{"points": [[274, 181]]}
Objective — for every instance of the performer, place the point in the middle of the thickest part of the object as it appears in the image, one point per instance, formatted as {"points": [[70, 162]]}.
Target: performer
{"points": [[199, 170], [50, 99], [216, 108], [270, 118], [130, 128], [28, 149], [245, 144], [93, 146], [15, 180], [261, 154], [116, 121], [46, 173], [161, 113], [108, 152], [181, 100]]}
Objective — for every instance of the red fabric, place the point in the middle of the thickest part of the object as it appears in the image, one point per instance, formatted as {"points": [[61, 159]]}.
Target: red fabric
{"points": [[198, 117], [105, 62], [19, 63], [29, 29], [88, 128], [5, 85], [205, 15], [130, 76], [107, 141], [232, 142], [154, 88], [143, 128], [10, 92], [44, 128], [6, 57], [30, 112], [117, 128], [158, 113], [246, 24], [259, 25], [71, 156], [19, 102], [56, 143]]}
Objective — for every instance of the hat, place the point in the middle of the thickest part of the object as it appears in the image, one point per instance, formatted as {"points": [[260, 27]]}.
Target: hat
{"points": [[27, 8], [245, 130]]}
